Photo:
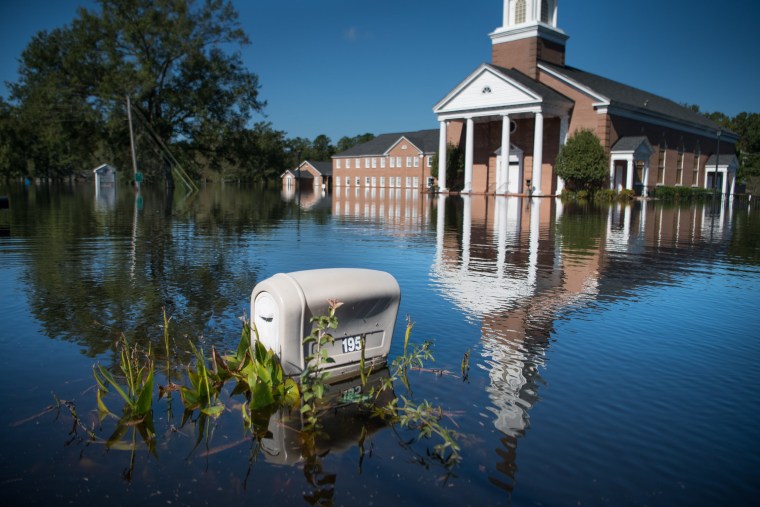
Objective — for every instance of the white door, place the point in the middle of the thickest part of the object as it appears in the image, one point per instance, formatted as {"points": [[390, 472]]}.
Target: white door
{"points": [[515, 185]]}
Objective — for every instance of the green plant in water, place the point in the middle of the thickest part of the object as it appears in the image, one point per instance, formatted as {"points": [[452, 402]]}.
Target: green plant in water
{"points": [[137, 391], [205, 385], [313, 377], [423, 417], [259, 376]]}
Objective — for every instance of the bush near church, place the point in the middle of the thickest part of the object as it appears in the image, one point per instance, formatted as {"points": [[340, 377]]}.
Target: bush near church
{"points": [[582, 162]]}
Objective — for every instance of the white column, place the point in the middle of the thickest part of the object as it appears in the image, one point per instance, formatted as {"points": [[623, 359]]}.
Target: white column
{"points": [[645, 179], [442, 145], [629, 174], [502, 173], [505, 21], [466, 232], [468, 155], [564, 126], [733, 184], [538, 151], [612, 173], [725, 182]]}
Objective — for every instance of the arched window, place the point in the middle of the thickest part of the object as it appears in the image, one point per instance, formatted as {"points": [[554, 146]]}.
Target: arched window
{"points": [[547, 10], [520, 10]]}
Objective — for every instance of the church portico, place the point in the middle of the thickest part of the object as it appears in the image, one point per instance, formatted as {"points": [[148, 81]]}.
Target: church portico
{"points": [[500, 108], [629, 163]]}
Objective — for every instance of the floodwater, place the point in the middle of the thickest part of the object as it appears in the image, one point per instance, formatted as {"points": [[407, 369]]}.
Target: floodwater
{"points": [[614, 351]]}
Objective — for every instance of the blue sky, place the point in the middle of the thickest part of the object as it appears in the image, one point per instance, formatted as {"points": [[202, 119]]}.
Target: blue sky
{"points": [[345, 67]]}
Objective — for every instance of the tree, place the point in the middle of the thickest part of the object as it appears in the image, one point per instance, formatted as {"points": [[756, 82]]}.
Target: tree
{"points": [[321, 149], [344, 143], [177, 60], [582, 161], [454, 166]]}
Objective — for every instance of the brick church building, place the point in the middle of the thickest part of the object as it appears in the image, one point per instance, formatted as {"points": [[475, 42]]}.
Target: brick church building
{"points": [[527, 101]]}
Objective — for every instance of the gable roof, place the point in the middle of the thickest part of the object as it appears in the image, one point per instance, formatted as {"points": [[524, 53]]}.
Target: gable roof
{"points": [[725, 160], [324, 168], [633, 99], [425, 140], [631, 143], [491, 89]]}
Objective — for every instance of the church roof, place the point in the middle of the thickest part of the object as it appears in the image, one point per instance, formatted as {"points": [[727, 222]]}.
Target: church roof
{"points": [[425, 140], [634, 99]]}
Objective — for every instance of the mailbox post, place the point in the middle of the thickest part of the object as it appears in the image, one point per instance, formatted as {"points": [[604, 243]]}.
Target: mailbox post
{"points": [[282, 307]]}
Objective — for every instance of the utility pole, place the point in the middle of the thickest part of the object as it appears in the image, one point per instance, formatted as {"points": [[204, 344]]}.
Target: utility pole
{"points": [[132, 144]]}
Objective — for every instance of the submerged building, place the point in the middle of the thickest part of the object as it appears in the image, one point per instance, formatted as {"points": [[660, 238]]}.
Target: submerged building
{"points": [[527, 100]]}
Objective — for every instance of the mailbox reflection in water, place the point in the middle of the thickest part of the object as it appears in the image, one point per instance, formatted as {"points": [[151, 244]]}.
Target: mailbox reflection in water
{"points": [[341, 427], [282, 307]]}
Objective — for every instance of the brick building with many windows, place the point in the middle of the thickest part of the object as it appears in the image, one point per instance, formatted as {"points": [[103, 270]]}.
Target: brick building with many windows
{"points": [[401, 160]]}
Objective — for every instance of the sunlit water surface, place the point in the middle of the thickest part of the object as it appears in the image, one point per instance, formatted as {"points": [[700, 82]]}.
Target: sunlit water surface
{"points": [[614, 351]]}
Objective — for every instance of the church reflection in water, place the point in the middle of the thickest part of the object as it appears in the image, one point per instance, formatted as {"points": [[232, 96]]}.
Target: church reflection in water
{"points": [[516, 264]]}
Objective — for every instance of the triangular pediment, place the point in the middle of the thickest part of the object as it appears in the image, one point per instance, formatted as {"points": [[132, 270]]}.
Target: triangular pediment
{"points": [[486, 88]]}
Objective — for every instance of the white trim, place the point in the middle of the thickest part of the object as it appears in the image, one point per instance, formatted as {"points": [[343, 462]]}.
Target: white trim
{"points": [[662, 122], [485, 113], [527, 30], [603, 101], [402, 138], [439, 108]]}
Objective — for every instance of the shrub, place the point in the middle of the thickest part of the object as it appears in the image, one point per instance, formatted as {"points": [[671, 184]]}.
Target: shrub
{"points": [[605, 195], [582, 162], [626, 195]]}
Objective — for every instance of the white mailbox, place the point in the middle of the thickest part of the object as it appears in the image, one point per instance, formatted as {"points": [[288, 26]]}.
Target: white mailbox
{"points": [[282, 307]]}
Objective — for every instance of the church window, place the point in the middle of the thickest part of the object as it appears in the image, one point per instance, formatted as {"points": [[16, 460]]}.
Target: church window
{"points": [[520, 10], [695, 168], [679, 165], [661, 163]]}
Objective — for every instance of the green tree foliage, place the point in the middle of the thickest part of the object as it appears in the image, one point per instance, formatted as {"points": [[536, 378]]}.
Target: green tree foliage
{"points": [[12, 145], [176, 59], [346, 142], [582, 162], [454, 166]]}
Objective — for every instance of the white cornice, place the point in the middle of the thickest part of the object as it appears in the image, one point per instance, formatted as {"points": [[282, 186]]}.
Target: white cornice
{"points": [[440, 107], [665, 122], [528, 30]]}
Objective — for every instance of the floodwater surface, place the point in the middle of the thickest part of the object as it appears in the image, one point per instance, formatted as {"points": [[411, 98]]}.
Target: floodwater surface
{"points": [[614, 351]]}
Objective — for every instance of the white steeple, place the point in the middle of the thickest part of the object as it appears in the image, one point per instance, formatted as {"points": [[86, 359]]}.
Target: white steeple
{"points": [[517, 12], [528, 34], [523, 18]]}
